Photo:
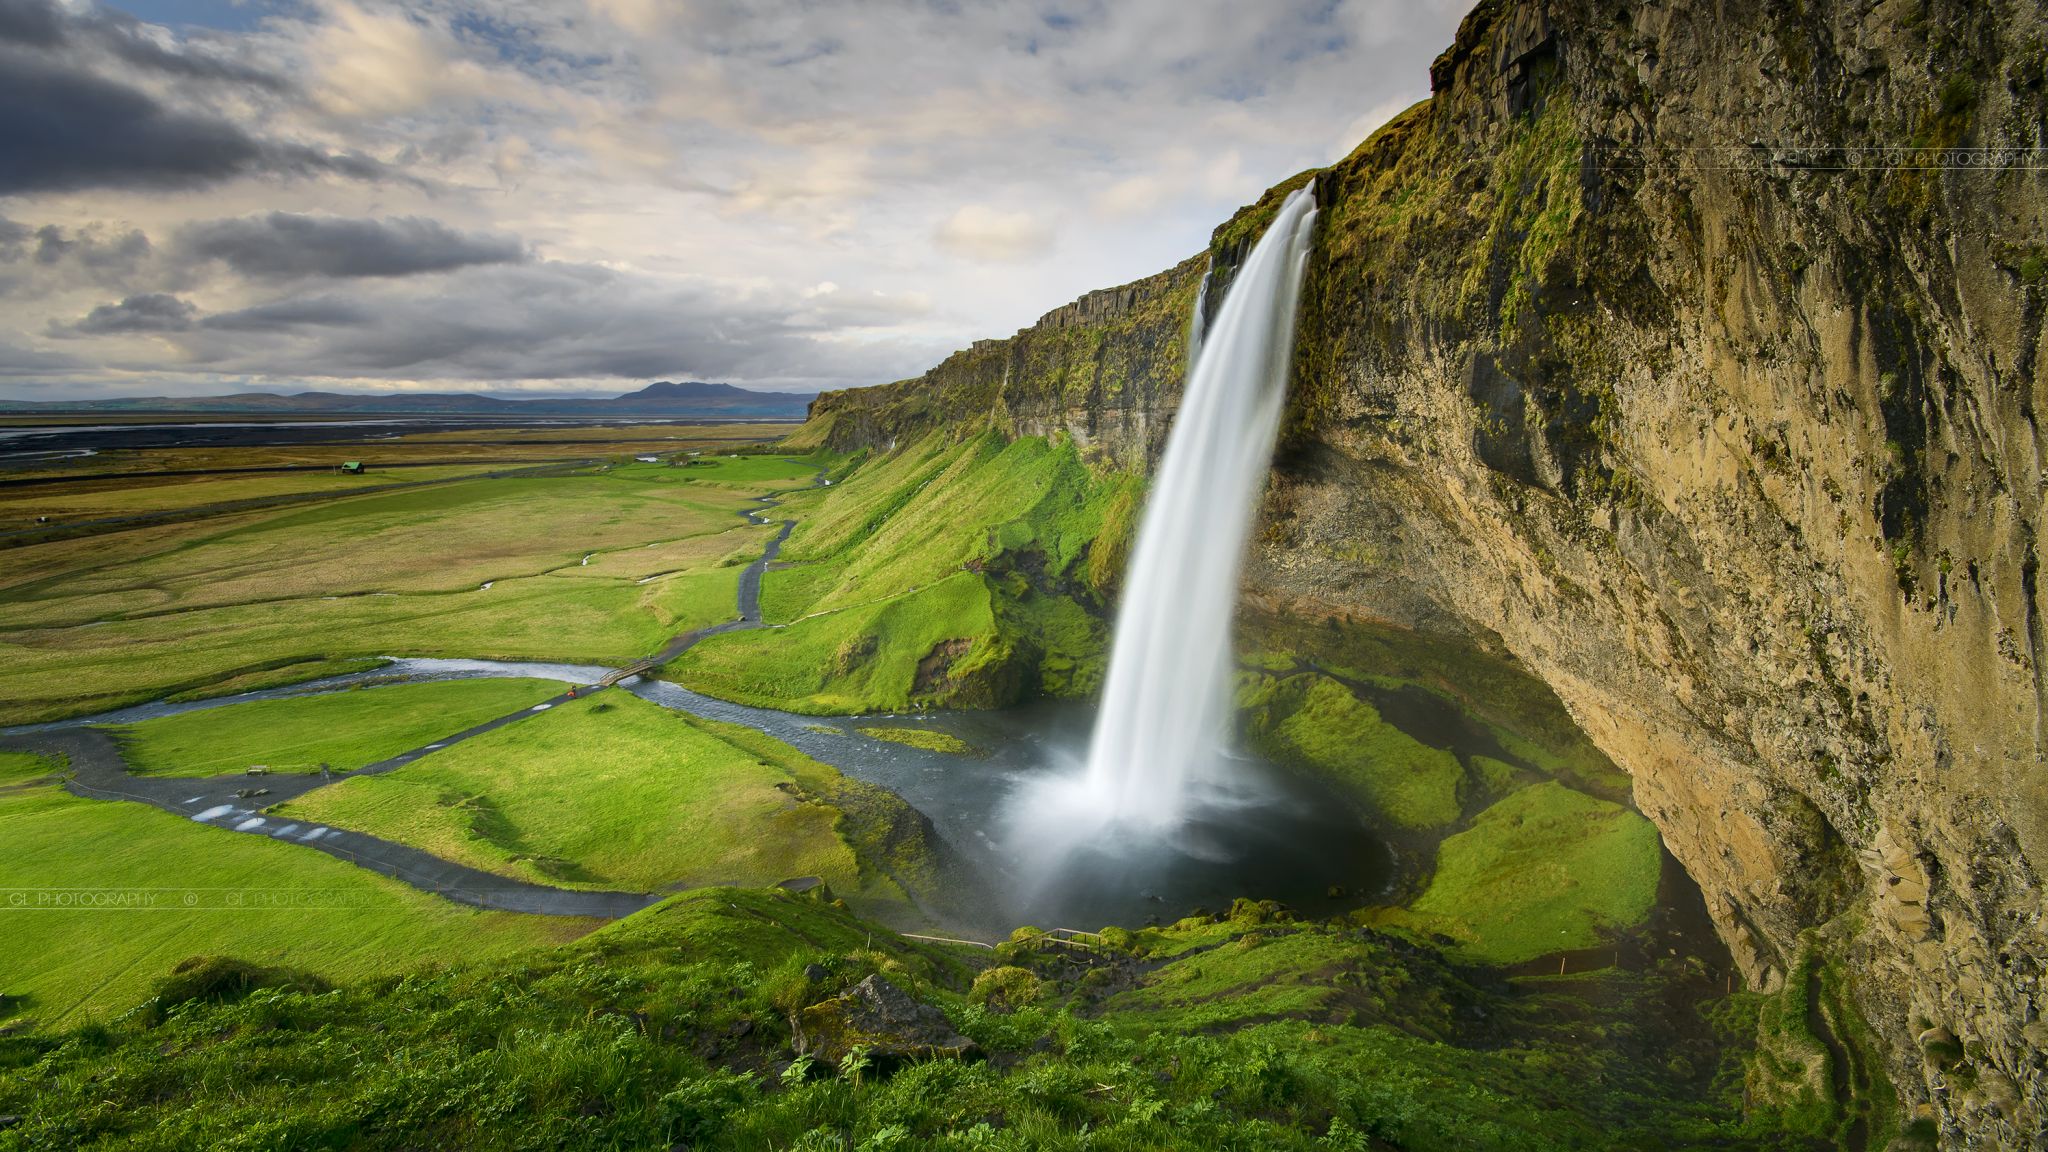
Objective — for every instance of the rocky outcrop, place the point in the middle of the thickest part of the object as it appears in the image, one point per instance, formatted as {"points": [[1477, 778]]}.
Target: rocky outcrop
{"points": [[1690, 354], [877, 1018], [1105, 369]]}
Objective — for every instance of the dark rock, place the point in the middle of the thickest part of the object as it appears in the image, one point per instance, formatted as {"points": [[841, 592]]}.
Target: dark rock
{"points": [[876, 1015]]}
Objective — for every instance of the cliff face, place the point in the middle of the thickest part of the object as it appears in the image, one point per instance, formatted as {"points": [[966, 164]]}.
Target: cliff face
{"points": [[1666, 348], [1106, 369]]}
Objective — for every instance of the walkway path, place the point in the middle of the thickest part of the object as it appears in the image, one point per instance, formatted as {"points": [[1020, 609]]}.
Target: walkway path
{"points": [[99, 771]]}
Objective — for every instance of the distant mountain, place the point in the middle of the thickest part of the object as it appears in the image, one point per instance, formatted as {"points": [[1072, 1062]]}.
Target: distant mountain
{"points": [[665, 399]]}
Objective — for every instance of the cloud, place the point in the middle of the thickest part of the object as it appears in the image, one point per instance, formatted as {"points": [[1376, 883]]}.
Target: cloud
{"points": [[90, 247], [285, 245], [30, 23], [19, 362], [43, 24], [14, 238], [68, 129], [558, 321], [992, 236], [148, 312], [291, 315], [355, 191]]}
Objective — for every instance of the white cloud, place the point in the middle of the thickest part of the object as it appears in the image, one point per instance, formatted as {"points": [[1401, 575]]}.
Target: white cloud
{"points": [[990, 235]]}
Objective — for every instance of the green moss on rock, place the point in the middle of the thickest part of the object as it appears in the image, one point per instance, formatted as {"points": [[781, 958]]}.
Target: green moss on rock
{"points": [[1545, 870]]}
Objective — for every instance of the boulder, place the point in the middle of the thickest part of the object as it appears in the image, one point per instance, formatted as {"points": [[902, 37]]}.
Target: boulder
{"points": [[888, 1022]]}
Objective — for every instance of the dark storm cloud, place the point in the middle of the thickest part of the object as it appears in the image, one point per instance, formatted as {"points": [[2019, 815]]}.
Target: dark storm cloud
{"points": [[43, 24], [67, 128], [284, 245], [28, 22], [91, 248], [550, 321], [288, 315], [148, 312]]}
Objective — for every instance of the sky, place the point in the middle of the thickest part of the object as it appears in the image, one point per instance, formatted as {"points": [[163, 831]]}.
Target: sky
{"points": [[555, 197]]}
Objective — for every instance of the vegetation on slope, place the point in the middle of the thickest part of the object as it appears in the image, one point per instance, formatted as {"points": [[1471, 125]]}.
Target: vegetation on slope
{"points": [[675, 1028], [1545, 870], [1317, 721], [341, 730], [965, 574], [20, 768]]}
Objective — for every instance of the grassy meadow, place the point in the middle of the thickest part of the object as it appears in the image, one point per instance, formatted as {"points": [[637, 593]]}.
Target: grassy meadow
{"points": [[22, 768], [971, 572], [341, 730], [127, 496], [607, 791], [1545, 870], [599, 565], [498, 447], [252, 897]]}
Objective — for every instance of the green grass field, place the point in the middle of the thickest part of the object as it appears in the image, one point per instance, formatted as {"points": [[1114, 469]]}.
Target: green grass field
{"points": [[673, 1028], [755, 473], [87, 499], [255, 898], [343, 730], [131, 616], [607, 792], [858, 660], [18, 768], [1546, 870]]}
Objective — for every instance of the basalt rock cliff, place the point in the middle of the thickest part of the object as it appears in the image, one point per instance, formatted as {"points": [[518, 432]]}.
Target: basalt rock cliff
{"points": [[1689, 354]]}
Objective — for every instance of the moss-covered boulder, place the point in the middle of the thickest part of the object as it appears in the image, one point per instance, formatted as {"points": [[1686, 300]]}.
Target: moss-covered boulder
{"points": [[889, 1024]]}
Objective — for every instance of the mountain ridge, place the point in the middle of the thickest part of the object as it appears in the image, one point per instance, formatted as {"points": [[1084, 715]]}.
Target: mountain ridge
{"points": [[661, 398]]}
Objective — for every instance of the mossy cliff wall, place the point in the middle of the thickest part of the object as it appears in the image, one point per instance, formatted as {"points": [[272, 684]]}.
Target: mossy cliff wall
{"points": [[1106, 369], [1634, 354]]}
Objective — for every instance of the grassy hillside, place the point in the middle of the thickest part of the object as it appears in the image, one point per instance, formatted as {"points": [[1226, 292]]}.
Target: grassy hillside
{"points": [[674, 1028], [960, 573]]}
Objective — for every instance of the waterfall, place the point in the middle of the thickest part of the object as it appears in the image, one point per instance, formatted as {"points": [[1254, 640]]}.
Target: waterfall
{"points": [[1166, 705], [1198, 322]]}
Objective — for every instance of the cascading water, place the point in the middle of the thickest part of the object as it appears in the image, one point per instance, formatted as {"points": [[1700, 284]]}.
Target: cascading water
{"points": [[1166, 705], [1151, 799]]}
